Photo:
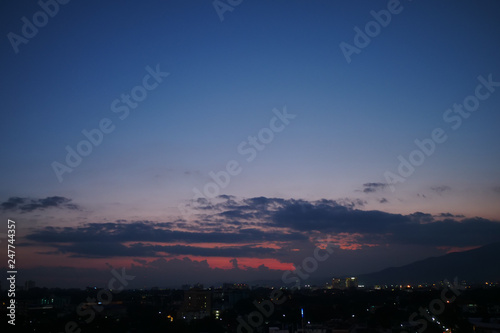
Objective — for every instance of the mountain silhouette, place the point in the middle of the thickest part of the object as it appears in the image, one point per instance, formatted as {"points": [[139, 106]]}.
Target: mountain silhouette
{"points": [[475, 266]]}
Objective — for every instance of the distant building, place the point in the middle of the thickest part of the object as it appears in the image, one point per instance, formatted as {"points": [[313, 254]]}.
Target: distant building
{"points": [[479, 325], [225, 298], [197, 304], [277, 330], [241, 286], [338, 283], [469, 308], [351, 282], [313, 329], [29, 285]]}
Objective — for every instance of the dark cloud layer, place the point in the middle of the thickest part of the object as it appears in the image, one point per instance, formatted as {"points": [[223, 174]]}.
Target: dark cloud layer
{"points": [[100, 250], [146, 231], [29, 205], [292, 223]]}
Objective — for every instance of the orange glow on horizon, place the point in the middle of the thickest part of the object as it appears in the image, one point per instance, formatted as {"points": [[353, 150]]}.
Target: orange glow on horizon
{"points": [[243, 263], [38, 258], [346, 241], [452, 249]]}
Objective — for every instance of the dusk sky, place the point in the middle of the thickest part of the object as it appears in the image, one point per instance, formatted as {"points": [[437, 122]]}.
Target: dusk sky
{"points": [[226, 140]]}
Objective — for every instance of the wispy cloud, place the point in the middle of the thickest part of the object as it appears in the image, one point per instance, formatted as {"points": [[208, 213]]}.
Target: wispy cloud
{"points": [[373, 187], [441, 189]]}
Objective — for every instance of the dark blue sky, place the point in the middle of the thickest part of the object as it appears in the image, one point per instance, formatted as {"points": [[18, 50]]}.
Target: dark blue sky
{"points": [[227, 81]]}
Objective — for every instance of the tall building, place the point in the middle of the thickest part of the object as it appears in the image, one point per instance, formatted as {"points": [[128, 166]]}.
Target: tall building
{"points": [[29, 285], [197, 304], [351, 282]]}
